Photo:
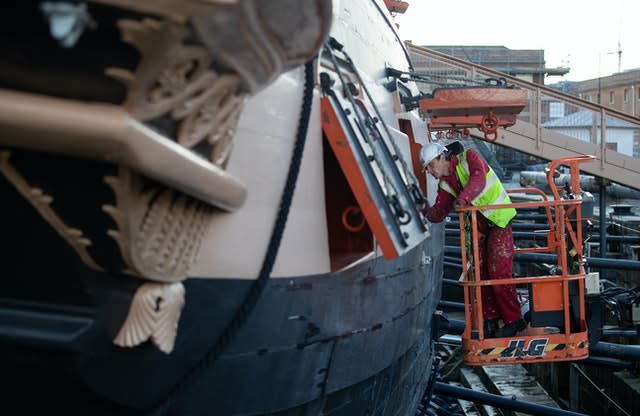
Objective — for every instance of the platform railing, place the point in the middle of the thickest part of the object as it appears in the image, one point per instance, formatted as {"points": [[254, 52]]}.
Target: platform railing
{"points": [[557, 297]]}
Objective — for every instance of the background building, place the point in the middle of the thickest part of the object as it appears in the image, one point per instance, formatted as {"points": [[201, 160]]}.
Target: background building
{"points": [[620, 91], [620, 134], [526, 64]]}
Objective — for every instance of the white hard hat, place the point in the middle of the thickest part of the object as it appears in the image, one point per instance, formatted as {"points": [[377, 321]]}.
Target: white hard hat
{"points": [[429, 152]]}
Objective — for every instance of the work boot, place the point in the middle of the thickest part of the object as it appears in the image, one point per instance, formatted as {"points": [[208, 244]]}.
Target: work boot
{"points": [[490, 328], [511, 329]]}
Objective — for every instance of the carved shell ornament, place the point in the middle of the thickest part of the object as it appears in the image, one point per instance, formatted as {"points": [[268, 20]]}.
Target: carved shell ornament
{"points": [[153, 314]]}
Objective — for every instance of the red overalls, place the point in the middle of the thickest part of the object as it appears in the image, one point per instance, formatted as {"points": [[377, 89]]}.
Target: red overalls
{"points": [[496, 249]]}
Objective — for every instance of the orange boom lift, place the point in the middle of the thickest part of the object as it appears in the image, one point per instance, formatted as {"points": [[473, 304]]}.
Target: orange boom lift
{"points": [[557, 330]]}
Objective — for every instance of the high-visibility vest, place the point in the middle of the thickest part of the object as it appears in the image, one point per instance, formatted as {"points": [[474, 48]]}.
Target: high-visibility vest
{"points": [[493, 193]]}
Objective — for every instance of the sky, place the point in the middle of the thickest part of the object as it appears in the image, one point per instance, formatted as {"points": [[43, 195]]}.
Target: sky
{"points": [[581, 35]]}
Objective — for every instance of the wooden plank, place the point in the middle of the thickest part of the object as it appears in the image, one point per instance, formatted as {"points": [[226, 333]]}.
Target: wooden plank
{"points": [[514, 381]]}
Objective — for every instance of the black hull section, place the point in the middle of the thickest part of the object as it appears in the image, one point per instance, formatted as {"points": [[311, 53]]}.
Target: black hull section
{"points": [[348, 343]]}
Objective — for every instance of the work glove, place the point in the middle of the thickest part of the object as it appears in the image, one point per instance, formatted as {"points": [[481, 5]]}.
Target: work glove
{"points": [[461, 203]]}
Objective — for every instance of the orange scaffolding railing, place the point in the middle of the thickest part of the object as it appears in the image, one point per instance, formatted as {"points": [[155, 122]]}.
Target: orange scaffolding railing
{"points": [[557, 329]]}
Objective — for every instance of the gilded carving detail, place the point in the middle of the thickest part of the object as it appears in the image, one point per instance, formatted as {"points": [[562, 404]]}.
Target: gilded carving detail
{"points": [[41, 202], [159, 231], [212, 116], [175, 78]]}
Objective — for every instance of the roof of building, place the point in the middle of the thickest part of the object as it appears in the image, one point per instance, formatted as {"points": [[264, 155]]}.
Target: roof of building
{"points": [[514, 61], [584, 118], [492, 54]]}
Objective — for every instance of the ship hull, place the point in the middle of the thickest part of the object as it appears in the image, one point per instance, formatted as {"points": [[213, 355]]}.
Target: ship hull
{"points": [[357, 341], [181, 238]]}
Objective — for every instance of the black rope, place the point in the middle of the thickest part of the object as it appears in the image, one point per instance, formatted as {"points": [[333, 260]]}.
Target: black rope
{"points": [[252, 297]]}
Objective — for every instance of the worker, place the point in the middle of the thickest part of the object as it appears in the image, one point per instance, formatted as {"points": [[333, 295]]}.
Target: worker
{"points": [[466, 179]]}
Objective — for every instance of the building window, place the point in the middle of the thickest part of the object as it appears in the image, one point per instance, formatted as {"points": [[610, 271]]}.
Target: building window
{"points": [[612, 97], [556, 110], [588, 98], [625, 96]]}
